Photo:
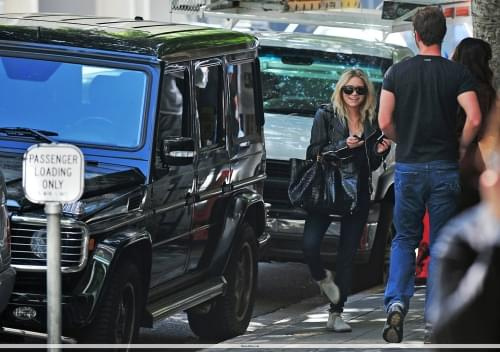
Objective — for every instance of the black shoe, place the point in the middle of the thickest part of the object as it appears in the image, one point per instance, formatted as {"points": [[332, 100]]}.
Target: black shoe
{"points": [[393, 329]]}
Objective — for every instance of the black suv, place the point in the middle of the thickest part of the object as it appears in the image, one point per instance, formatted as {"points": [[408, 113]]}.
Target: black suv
{"points": [[169, 119], [7, 273]]}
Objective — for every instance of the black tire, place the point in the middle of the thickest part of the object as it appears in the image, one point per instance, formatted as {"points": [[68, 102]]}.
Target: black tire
{"points": [[118, 316], [375, 271], [10, 338], [230, 314]]}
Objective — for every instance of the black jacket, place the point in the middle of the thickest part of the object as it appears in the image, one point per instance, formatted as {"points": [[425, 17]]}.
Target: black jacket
{"points": [[329, 134]]}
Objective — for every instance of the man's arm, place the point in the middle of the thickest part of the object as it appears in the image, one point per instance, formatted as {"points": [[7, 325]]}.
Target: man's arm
{"points": [[492, 121], [386, 109], [468, 101]]}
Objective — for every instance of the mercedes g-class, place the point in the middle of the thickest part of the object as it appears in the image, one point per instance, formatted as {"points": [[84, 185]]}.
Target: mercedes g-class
{"points": [[7, 273], [169, 119]]}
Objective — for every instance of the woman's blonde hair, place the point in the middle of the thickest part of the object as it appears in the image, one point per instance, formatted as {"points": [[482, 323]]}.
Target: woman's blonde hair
{"points": [[367, 107]]}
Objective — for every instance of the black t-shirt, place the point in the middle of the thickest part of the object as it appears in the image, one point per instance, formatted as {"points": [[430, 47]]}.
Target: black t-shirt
{"points": [[425, 115]]}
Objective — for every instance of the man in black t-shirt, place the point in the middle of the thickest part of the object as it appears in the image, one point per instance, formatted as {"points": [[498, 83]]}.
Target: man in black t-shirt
{"points": [[418, 110]]}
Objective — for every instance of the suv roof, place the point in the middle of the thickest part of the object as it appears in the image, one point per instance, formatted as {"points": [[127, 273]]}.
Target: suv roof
{"points": [[328, 43], [141, 37]]}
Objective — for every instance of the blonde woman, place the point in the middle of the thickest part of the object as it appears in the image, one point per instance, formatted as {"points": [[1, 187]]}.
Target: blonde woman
{"points": [[345, 122]]}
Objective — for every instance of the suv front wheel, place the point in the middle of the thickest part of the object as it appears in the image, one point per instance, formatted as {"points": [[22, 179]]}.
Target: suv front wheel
{"points": [[118, 318], [230, 314]]}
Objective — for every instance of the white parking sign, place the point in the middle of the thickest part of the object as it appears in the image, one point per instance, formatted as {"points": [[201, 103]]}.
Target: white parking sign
{"points": [[53, 173]]}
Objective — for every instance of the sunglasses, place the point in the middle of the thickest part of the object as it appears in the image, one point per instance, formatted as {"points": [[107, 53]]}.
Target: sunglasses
{"points": [[351, 89]]}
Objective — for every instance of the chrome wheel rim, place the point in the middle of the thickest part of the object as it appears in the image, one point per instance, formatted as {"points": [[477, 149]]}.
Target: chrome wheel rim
{"points": [[244, 281], [125, 317]]}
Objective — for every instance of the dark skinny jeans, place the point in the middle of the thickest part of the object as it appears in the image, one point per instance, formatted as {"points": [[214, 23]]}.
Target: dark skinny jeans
{"points": [[351, 229]]}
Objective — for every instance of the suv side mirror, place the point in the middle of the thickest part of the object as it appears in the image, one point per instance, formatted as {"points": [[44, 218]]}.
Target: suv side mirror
{"points": [[177, 151]]}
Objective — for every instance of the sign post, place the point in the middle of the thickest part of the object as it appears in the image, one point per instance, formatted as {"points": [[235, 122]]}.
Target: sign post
{"points": [[53, 211], [53, 174]]}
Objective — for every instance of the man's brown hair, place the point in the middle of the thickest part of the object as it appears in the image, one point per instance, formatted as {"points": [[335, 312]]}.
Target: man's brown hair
{"points": [[430, 23]]}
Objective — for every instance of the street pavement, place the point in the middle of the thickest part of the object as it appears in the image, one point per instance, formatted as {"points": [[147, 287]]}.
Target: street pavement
{"points": [[280, 285], [302, 326]]}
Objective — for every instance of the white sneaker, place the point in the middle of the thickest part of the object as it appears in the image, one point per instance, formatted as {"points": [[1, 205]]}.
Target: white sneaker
{"points": [[336, 323], [329, 288]]}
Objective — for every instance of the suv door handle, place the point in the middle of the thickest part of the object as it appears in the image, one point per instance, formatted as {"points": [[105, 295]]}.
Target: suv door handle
{"points": [[244, 144], [227, 187], [190, 198]]}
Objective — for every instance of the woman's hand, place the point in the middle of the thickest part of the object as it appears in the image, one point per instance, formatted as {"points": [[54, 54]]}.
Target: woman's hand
{"points": [[383, 145], [354, 142]]}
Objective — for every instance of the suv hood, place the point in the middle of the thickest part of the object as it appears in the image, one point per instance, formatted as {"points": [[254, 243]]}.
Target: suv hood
{"points": [[99, 179], [287, 136], [333, 44]]}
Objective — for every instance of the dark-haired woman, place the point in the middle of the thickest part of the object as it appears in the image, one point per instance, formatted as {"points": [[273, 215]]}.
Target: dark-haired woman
{"points": [[475, 54], [346, 122]]}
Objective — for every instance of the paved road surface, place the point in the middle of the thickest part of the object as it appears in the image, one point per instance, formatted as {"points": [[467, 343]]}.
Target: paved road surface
{"points": [[280, 285], [301, 326]]}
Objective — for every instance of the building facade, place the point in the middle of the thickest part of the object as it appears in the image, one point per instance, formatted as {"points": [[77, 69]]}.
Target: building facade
{"points": [[148, 9]]}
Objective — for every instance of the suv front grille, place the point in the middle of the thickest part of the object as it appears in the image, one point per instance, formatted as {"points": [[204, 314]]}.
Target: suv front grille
{"points": [[29, 244], [276, 194], [276, 184], [278, 169]]}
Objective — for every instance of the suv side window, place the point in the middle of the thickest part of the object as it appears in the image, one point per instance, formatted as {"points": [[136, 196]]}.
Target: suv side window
{"points": [[208, 90], [241, 107], [173, 117], [174, 104]]}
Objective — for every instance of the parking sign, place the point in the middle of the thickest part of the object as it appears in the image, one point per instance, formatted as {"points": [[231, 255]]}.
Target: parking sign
{"points": [[53, 173]]}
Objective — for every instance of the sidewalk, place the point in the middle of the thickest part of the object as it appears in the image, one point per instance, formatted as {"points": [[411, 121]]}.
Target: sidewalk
{"points": [[304, 324]]}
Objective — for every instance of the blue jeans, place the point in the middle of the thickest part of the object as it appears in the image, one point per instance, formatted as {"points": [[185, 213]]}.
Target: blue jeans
{"points": [[434, 185], [351, 229]]}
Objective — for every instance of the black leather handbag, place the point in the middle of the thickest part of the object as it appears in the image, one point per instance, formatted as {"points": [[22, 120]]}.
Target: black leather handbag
{"points": [[320, 186]]}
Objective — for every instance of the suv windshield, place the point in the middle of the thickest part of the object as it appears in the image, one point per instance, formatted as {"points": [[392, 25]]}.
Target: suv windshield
{"points": [[75, 102], [295, 83]]}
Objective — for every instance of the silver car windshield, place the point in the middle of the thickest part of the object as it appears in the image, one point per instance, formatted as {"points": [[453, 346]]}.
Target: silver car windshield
{"points": [[295, 83], [75, 103]]}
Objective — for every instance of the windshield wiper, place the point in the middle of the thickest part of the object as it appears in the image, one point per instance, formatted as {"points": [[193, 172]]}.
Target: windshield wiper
{"points": [[40, 135]]}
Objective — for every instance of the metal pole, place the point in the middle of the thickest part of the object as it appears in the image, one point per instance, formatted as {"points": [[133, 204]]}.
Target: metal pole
{"points": [[53, 211]]}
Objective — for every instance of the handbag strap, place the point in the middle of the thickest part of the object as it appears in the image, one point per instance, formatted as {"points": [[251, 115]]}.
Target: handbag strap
{"points": [[331, 115], [329, 110]]}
